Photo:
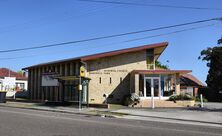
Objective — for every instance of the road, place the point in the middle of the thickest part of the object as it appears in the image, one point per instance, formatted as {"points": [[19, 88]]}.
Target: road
{"points": [[23, 122]]}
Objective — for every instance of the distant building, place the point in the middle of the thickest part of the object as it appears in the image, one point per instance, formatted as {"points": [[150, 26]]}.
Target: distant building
{"points": [[190, 84], [10, 80], [107, 77]]}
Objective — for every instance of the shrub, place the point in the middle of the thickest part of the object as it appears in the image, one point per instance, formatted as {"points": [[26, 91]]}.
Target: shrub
{"points": [[181, 97], [131, 99], [22, 94], [198, 99]]}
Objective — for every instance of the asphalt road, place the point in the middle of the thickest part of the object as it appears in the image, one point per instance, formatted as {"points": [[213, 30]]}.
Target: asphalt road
{"points": [[22, 122]]}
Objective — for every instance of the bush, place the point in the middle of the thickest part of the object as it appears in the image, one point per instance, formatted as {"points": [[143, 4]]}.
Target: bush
{"points": [[131, 99], [181, 97], [198, 99], [22, 94]]}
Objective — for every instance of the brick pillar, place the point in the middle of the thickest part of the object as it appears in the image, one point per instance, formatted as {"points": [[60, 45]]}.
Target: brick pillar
{"points": [[136, 84], [132, 83], [177, 83]]}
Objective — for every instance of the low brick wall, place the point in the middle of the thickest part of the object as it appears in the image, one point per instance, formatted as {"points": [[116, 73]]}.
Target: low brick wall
{"points": [[165, 104], [186, 103]]}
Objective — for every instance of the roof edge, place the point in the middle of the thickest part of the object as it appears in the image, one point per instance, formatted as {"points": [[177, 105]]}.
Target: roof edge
{"points": [[103, 54], [161, 71], [121, 51]]}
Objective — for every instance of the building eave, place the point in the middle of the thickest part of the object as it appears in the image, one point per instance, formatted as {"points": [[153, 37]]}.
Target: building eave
{"points": [[102, 55], [181, 72]]}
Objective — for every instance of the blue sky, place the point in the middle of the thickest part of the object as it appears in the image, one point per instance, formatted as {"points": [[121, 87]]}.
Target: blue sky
{"points": [[27, 23]]}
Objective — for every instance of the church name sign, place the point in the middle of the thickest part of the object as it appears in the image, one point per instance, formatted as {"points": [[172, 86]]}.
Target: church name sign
{"points": [[109, 71]]}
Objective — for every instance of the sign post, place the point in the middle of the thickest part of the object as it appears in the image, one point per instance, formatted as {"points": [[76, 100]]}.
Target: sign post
{"points": [[82, 74], [80, 88], [152, 95]]}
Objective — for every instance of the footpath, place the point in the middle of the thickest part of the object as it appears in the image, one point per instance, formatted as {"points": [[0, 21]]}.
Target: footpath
{"points": [[210, 115]]}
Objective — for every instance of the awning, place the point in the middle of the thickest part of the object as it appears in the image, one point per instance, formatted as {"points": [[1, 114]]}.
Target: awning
{"points": [[71, 78], [181, 72]]}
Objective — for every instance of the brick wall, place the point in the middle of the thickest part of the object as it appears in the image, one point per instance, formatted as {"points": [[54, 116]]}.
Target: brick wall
{"points": [[111, 75]]}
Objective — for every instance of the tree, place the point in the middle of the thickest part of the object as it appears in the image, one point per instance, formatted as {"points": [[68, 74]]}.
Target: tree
{"points": [[20, 72], [219, 41], [160, 65], [213, 57]]}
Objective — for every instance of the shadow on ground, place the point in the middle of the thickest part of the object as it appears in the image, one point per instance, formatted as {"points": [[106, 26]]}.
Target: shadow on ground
{"points": [[205, 109], [58, 104]]}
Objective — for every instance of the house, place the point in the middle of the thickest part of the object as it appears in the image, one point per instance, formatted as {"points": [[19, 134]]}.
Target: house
{"points": [[190, 84], [10, 80], [105, 77]]}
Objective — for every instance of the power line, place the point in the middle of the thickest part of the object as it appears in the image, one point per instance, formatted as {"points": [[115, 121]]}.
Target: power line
{"points": [[109, 36], [150, 5], [174, 32], [126, 41]]}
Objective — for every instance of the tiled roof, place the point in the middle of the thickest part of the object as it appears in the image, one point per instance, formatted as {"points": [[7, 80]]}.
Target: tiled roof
{"points": [[105, 54], [117, 52], [5, 72], [190, 80]]}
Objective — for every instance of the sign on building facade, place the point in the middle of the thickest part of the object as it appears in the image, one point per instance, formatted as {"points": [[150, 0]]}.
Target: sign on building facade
{"points": [[49, 80]]}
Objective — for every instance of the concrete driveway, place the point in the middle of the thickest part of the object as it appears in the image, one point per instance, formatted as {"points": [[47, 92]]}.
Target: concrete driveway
{"points": [[183, 114], [213, 106]]}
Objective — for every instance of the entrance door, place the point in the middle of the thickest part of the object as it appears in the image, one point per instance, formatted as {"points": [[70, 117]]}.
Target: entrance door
{"points": [[151, 86]]}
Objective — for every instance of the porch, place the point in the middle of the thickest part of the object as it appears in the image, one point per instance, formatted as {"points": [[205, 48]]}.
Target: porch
{"points": [[157, 84], [71, 93]]}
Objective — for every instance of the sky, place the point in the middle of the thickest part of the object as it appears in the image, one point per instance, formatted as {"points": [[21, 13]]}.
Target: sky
{"points": [[28, 23]]}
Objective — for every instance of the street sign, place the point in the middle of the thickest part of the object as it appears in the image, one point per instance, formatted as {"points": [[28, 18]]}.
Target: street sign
{"points": [[82, 71], [48, 79], [80, 87]]}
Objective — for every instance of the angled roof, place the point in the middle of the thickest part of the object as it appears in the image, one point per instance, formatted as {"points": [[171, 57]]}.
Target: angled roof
{"points": [[106, 54], [190, 80], [5, 72], [117, 52]]}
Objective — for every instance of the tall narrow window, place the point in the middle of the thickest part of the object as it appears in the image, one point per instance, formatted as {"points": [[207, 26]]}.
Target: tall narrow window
{"points": [[150, 59], [110, 80], [121, 79], [100, 80]]}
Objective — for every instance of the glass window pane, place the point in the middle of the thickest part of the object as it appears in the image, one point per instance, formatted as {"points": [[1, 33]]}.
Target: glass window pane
{"points": [[148, 87], [156, 87]]}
